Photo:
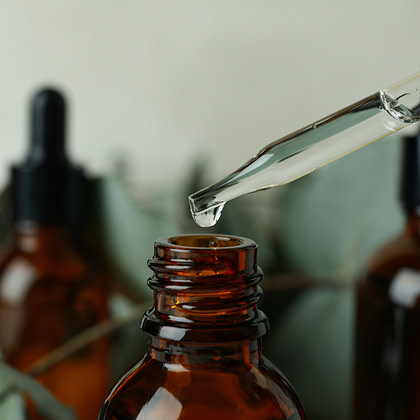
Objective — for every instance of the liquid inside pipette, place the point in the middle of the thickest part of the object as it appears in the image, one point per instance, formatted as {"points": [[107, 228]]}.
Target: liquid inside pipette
{"points": [[312, 147]]}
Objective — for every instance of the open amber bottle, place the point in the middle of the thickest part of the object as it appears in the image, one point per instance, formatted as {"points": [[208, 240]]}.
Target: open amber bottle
{"points": [[387, 351], [50, 287], [204, 356]]}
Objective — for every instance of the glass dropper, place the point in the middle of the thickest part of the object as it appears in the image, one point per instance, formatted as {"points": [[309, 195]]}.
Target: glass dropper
{"points": [[313, 146]]}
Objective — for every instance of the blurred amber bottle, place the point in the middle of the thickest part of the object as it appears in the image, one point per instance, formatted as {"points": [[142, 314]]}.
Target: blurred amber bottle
{"points": [[387, 356], [204, 356], [50, 289]]}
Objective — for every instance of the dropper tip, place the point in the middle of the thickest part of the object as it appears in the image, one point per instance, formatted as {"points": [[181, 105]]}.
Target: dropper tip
{"points": [[208, 217]]}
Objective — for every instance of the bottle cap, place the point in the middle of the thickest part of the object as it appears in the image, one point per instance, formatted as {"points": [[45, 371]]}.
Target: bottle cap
{"points": [[46, 188], [410, 173]]}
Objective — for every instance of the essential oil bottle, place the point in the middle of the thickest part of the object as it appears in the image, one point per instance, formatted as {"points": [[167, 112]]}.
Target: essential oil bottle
{"points": [[387, 350], [204, 330], [50, 290]]}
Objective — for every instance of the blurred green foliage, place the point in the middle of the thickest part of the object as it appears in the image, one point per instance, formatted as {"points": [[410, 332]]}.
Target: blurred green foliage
{"points": [[14, 384]]}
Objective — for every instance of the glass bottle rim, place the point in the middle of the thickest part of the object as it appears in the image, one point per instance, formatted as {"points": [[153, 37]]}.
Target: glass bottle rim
{"points": [[213, 241]]}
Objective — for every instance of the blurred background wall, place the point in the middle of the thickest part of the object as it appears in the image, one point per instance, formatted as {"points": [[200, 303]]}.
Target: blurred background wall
{"points": [[155, 85]]}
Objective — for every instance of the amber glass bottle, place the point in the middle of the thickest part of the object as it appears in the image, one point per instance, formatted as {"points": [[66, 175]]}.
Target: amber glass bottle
{"points": [[204, 350], [50, 290], [387, 356]]}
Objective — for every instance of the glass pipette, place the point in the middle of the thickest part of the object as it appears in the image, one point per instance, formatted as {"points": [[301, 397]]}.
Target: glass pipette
{"points": [[313, 146]]}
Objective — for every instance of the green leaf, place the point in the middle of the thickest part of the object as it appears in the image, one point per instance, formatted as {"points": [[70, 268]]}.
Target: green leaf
{"points": [[125, 230], [332, 220], [312, 344], [12, 407]]}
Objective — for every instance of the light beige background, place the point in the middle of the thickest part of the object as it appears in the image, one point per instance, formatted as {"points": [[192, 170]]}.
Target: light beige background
{"points": [[159, 84]]}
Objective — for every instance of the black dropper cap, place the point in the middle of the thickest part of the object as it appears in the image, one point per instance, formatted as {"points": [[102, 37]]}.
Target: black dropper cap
{"points": [[46, 188], [410, 173]]}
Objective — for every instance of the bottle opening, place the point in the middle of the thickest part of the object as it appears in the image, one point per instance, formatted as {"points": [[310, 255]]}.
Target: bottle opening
{"points": [[206, 241]]}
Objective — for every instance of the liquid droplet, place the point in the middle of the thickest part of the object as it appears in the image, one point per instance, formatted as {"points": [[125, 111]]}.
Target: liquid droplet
{"points": [[208, 217]]}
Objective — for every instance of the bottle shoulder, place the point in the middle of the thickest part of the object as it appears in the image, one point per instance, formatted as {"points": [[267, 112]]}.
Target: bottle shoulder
{"points": [[42, 305], [40, 282], [257, 391], [63, 262]]}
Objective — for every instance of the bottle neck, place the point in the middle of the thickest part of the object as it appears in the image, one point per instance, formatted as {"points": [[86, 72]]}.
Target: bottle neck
{"points": [[30, 237], [205, 291], [247, 352]]}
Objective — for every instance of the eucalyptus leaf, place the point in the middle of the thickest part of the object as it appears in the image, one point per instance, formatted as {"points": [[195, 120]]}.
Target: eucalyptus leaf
{"points": [[126, 230], [12, 406], [332, 220], [312, 345], [131, 341], [46, 403]]}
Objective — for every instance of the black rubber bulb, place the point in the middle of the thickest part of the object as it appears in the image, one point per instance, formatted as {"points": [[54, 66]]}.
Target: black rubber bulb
{"points": [[47, 130]]}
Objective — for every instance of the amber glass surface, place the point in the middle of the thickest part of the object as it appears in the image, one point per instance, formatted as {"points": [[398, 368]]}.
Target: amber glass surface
{"points": [[204, 351], [48, 293], [387, 364]]}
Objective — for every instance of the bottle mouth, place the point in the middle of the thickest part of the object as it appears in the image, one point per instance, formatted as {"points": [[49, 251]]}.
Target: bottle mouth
{"points": [[207, 241]]}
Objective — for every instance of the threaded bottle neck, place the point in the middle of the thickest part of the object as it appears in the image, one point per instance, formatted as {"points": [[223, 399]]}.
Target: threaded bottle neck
{"points": [[205, 290]]}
